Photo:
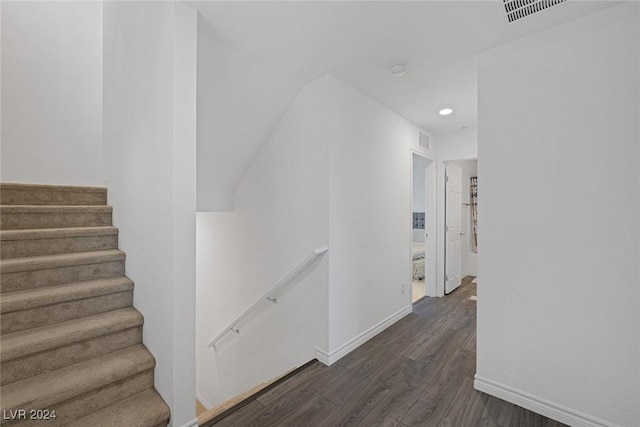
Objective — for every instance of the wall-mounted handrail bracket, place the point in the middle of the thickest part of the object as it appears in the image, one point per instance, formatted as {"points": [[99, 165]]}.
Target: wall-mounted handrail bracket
{"points": [[271, 294]]}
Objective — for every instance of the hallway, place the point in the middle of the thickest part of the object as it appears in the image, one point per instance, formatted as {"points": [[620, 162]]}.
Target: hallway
{"points": [[419, 372]]}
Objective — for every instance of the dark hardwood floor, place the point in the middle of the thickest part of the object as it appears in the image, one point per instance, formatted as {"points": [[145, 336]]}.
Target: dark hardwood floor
{"points": [[418, 372]]}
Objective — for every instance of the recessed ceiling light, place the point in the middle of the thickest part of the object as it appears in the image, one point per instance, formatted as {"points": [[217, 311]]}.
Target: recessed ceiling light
{"points": [[398, 70], [445, 111]]}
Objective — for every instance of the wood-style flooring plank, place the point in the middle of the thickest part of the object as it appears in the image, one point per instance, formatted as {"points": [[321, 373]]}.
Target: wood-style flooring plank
{"points": [[467, 407], [304, 377], [278, 406], [440, 390], [524, 417], [488, 423], [392, 409], [244, 416], [382, 347], [445, 367], [425, 341], [310, 414], [497, 411], [343, 384], [369, 394]]}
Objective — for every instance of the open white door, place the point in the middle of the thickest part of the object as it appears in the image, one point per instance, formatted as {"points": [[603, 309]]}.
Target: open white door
{"points": [[453, 228]]}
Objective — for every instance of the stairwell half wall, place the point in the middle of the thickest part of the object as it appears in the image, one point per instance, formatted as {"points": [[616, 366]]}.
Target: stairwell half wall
{"points": [[281, 215]]}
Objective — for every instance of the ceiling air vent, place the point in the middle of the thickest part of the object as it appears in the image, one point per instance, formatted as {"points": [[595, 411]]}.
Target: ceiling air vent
{"points": [[423, 141], [518, 9]]}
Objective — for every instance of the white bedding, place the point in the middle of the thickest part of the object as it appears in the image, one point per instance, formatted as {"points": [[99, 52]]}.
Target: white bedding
{"points": [[418, 255]]}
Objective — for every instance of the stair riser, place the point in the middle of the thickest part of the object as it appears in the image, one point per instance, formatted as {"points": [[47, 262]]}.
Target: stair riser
{"points": [[58, 276], [24, 221], [92, 401], [46, 315], [37, 247], [38, 363], [22, 195], [144, 409]]}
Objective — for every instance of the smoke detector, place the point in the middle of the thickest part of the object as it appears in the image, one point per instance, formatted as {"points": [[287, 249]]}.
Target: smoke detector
{"points": [[398, 69]]}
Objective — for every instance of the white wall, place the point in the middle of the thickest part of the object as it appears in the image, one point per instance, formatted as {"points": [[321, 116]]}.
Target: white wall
{"points": [[281, 215], [52, 92], [149, 134], [457, 145], [240, 102], [558, 318], [370, 215], [184, 210], [419, 181]]}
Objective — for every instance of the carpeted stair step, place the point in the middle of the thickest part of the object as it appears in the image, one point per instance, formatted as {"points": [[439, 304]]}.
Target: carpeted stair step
{"points": [[32, 352], [35, 272], [30, 217], [51, 241], [33, 308], [146, 409], [38, 194], [80, 389]]}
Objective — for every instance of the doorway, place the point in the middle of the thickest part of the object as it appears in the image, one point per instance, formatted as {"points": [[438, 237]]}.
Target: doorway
{"points": [[422, 220], [460, 228]]}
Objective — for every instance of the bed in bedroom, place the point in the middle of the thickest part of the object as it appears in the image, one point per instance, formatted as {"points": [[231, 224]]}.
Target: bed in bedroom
{"points": [[417, 254]]}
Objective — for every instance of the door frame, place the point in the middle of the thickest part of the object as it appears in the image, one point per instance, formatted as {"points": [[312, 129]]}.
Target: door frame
{"points": [[440, 235], [430, 263]]}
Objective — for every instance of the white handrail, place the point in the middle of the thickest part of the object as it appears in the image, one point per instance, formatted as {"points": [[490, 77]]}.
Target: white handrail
{"points": [[271, 294]]}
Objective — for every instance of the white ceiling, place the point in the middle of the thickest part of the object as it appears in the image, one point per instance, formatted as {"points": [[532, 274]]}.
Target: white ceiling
{"points": [[265, 51], [356, 42]]}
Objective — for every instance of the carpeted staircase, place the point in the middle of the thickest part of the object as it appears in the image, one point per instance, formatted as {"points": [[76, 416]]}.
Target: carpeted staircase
{"points": [[71, 341]]}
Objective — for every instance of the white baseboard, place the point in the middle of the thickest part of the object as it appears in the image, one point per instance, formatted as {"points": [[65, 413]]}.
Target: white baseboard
{"points": [[329, 358], [192, 423], [322, 356], [537, 404], [203, 401]]}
